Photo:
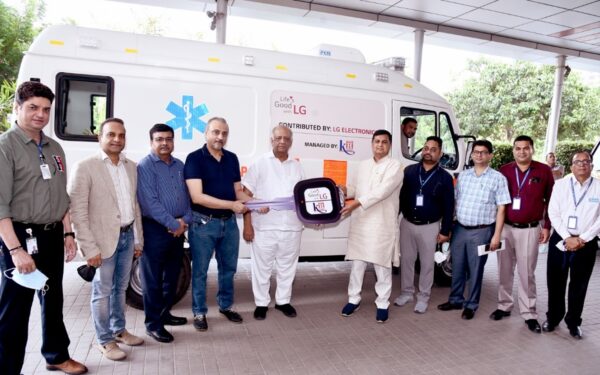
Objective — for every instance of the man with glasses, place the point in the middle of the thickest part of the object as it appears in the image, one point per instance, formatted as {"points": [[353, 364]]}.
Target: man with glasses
{"points": [[574, 211], [527, 226], [481, 195], [166, 213], [275, 235]]}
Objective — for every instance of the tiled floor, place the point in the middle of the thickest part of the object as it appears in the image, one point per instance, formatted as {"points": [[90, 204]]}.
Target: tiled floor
{"points": [[321, 341]]}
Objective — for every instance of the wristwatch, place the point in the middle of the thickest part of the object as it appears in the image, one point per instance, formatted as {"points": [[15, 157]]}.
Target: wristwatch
{"points": [[67, 234]]}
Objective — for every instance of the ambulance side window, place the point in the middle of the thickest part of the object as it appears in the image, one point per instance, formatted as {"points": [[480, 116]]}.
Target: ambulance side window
{"points": [[82, 103]]}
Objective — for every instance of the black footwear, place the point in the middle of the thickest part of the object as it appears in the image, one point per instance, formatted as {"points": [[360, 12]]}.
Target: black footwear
{"points": [[447, 306], [533, 325], [468, 314], [576, 332], [548, 327], [160, 335], [499, 314], [287, 310], [350, 309], [171, 320], [232, 316], [200, 322], [260, 312]]}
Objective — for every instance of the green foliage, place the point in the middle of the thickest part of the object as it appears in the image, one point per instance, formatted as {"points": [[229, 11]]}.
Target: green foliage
{"points": [[16, 34], [502, 154], [564, 151], [502, 101]]}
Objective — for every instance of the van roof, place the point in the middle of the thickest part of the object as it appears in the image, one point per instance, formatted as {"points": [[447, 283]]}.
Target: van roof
{"points": [[127, 48]]}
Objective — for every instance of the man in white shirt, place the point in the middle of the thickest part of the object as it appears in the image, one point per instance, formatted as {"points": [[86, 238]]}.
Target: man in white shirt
{"points": [[574, 211], [107, 221], [275, 235]]}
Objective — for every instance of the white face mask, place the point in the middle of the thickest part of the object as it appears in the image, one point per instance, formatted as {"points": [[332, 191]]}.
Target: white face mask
{"points": [[34, 280]]}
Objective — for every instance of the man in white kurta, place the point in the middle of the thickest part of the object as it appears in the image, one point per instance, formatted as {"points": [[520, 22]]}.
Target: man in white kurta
{"points": [[275, 235], [373, 232]]}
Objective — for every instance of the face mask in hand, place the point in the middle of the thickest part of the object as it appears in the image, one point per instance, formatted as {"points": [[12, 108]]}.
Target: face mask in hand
{"points": [[34, 280]]}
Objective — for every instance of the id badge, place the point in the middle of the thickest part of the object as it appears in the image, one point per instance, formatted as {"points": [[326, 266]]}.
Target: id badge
{"points": [[46, 174], [32, 245], [419, 200], [516, 204], [572, 223]]}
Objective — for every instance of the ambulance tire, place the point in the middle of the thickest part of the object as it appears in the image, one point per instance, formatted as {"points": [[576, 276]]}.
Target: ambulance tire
{"points": [[134, 291]]}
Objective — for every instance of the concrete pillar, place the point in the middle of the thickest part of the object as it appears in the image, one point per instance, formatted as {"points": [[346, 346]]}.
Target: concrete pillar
{"points": [[419, 37], [552, 130], [221, 21]]}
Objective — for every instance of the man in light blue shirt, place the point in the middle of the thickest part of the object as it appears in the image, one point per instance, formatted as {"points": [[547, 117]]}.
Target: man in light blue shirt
{"points": [[166, 212], [481, 194]]}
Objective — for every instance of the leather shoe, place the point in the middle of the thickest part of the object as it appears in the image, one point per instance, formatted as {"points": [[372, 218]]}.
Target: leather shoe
{"points": [[533, 325], [260, 312], [499, 314], [468, 314], [160, 335], [200, 322], [576, 332], [232, 316], [447, 306], [70, 366], [287, 310], [171, 320], [548, 327]]}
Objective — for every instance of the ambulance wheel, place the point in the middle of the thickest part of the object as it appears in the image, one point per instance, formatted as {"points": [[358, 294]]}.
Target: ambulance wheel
{"points": [[134, 291]]}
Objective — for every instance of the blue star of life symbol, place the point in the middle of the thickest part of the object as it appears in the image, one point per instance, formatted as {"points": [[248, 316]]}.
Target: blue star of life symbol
{"points": [[187, 117]]}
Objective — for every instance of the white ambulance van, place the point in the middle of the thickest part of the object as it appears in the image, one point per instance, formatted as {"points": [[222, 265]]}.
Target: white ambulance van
{"points": [[333, 106]]}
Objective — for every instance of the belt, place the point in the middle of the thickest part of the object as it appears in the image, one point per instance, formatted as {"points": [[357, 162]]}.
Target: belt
{"points": [[221, 217], [471, 227], [421, 222], [533, 224], [126, 228], [44, 227]]}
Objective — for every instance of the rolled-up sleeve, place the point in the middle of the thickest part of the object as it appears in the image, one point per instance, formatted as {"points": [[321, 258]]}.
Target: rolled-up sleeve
{"points": [[6, 182]]}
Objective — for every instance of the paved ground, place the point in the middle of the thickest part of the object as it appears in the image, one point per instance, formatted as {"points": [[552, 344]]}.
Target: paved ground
{"points": [[321, 341]]}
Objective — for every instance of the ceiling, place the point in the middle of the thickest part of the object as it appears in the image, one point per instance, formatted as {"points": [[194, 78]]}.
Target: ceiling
{"points": [[533, 30]]}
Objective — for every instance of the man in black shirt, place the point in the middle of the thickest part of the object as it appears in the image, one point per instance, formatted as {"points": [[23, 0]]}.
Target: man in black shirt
{"points": [[427, 206]]}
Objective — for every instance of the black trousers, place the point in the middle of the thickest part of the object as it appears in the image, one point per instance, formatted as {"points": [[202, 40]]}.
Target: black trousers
{"points": [[15, 303], [578, 265], [160, 265]]}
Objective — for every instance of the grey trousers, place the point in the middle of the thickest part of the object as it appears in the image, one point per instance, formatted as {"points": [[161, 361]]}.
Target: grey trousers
{"points": [[417, 240]]}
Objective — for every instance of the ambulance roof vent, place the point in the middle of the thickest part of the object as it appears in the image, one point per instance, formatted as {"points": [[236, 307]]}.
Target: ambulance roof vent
{"points": [[338, 52], [392, 63]]}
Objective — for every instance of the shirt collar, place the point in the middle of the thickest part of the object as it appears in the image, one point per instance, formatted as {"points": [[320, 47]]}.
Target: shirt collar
{"points": [[104, 156], [383, 159], [155, 158], [574, 180], [24, 137], [271, 155]]}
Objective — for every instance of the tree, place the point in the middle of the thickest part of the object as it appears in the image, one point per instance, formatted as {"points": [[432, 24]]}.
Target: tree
{"points": [[501, 101], [16, 34]]}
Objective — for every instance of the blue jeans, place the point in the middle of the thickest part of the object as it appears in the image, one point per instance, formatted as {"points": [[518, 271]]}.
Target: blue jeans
{"points": [[467, 265], [108, 290], [223, 237]]}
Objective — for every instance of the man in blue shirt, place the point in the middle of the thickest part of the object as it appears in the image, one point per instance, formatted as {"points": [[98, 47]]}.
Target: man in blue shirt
{"points": [[481, 196], [166, 213], [427, 205], [213, 178]]}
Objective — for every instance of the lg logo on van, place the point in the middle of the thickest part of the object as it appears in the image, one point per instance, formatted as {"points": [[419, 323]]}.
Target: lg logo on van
{"points": [[187, 117], [288, 104]]}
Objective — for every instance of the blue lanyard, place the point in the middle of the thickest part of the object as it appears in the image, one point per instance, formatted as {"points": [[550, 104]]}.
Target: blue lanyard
{"points": [[575, 201], [40, 151], [519, 183], [426, 180]]}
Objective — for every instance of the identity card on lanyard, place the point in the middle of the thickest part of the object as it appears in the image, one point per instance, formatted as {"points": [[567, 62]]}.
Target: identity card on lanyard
{"points": [[420, 197], [516, 203], [46, 174], [572, 222]]}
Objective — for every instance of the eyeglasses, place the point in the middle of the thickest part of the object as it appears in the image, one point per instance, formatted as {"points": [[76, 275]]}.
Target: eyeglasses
{"points": [[481, 153], [581, 163], [161, 139]]}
